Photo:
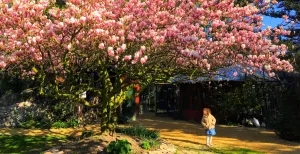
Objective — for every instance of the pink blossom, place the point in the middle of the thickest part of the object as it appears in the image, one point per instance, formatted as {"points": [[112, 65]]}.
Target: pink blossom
{"points": [[235, 74], [123, 47], [82, 20], [243, 46], [133, 62], [110, 51], [274, 2], [69, 47], [143, 48], [127, 58], [101, 46], [121, 32], [122, 39], [239, 56], [113, 39], [143, 60], [208, 66], [174, 30], [2, 65], [285, 17], [179, 60], [204, 61], [271, 74], [116, 58]]}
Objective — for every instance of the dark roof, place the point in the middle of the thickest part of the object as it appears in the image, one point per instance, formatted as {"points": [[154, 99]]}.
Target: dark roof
{"points": [[227, 75]]}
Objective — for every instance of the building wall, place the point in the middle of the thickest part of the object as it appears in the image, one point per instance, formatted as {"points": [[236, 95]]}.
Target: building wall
{"points": [[195, 97]]}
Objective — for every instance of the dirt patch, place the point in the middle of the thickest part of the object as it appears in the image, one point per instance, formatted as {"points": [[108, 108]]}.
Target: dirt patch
{"points": [[93, 145], [97, 144]]}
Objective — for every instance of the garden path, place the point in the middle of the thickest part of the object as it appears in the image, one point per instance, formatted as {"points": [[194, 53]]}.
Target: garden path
{"points": [[187, 134]]}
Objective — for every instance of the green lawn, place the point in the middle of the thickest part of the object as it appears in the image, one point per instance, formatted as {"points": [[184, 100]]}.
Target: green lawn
{"points": [[215, 150], [28, 144], [234, 151], [38, 144]]}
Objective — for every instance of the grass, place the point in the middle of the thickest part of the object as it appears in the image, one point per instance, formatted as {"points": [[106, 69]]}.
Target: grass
{"points": [[218, 150], [28, 144], [234, 151]]}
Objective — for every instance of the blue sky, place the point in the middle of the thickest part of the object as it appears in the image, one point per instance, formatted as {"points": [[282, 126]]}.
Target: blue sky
{"points": [[270, 21], [273, 22]]}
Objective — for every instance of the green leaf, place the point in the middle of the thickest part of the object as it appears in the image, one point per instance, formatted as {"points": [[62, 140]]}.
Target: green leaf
{"points": [[34, 70]]}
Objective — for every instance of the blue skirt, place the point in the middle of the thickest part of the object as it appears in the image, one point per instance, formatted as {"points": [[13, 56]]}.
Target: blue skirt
{"points": [[211, 131]]}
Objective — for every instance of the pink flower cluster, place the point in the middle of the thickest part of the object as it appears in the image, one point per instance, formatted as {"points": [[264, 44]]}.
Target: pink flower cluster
{"points": [[213, 35]]}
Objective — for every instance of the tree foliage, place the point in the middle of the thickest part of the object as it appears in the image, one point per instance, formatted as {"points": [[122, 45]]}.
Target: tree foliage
{"points": [[289, 9], [106, 47]]}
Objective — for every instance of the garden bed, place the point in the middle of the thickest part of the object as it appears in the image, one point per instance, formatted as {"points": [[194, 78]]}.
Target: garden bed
{"points": [[139, 139], [97, 144]]}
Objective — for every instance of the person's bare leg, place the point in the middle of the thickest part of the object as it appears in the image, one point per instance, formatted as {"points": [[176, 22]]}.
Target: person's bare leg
{"points": [[207, 140], [210, 141]]}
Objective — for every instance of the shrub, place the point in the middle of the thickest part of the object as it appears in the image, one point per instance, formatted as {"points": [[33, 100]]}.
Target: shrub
{"points": [[28, 124], [153, 143], [119, 147], [139, 131], [31, 117], [146, 145], [73, 123], [244, 101], [59, 124], [288, 122]]}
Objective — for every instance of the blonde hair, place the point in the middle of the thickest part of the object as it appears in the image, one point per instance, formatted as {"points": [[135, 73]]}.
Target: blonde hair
{"points": [[206, 111]]}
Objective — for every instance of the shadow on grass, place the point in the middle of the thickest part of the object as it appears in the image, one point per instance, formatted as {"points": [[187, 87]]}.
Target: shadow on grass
{"points": [[28, 144]]}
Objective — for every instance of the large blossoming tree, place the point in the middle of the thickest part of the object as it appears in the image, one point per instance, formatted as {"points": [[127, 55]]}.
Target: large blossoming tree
{"points": [[108, 46]]}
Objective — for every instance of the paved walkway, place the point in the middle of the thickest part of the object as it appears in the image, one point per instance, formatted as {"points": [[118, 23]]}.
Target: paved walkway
{"points": [[191, 135]]}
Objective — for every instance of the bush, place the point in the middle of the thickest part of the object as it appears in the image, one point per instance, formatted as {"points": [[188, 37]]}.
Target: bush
{"points": [[153, 143], [244, 101], [146, 145], [139, 131], [27, 124], [59, 124], [72, 123], [31, 117], [119, 147], [288, 122]]}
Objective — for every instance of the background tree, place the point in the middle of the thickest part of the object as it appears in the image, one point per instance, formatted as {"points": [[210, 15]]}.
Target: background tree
{"points": [[290, 10], [106, 47]]}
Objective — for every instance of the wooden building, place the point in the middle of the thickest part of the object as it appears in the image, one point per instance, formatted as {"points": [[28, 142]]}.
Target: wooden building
{"points": [[185, 100]]}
